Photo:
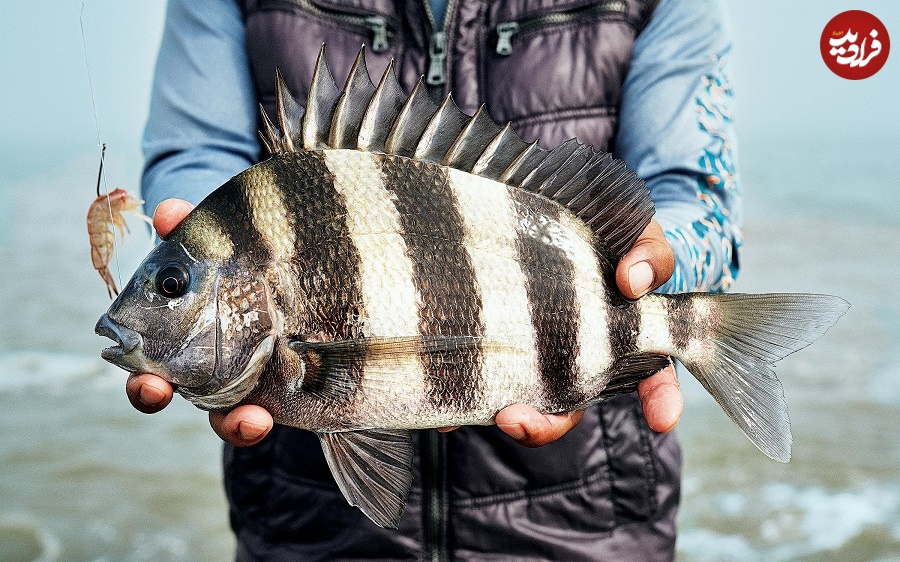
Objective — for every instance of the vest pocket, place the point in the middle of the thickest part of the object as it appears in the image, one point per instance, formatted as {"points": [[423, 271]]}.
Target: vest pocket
{"points": [[376, 20], [505, 31], [538, 63]]}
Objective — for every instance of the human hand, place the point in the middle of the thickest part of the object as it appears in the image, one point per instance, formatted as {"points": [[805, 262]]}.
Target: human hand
{"points": [[648, 264], [242, 426]]}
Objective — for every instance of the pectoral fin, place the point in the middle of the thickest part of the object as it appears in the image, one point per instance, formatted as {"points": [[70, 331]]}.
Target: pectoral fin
{"points": [[332, 369], [373, 469]]}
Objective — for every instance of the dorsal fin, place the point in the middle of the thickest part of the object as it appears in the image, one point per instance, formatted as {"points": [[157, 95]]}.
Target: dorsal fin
{"points": [[383, 109], [598, 189], [290, 115], [620, 208], [446, 123], [524, 164], [576, 194], [270, 135], [500, 152], [351, 106], [549, 165], [562, 175], [411, 122], [323, 97], [472, 141]]}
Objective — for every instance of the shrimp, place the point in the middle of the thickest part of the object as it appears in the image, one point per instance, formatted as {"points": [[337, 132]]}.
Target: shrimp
{"points": [[104, 214]]}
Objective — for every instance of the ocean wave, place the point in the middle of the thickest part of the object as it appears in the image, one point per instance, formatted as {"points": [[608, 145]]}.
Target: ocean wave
{"points": [[786, 522]]}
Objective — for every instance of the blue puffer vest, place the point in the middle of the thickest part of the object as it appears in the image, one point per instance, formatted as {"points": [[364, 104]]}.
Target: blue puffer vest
{"points": [[608, 490]]}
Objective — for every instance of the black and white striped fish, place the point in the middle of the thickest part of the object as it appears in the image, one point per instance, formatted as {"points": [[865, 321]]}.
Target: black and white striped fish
{"points": [[397, 265]]}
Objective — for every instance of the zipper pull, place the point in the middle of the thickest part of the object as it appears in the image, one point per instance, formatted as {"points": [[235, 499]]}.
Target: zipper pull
{"points": [[436, 55], [379, 33], [505, 31]]}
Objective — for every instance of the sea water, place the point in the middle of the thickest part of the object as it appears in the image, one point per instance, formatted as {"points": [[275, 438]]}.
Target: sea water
{"points": [[83, 476]]}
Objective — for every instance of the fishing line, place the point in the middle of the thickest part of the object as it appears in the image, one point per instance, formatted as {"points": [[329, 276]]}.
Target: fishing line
{"points": [[100, 143]]}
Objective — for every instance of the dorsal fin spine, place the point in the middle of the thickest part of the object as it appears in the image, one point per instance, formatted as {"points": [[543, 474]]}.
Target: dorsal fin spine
{"points": [[289, 113], [320, 104], [411, 122], [471, 142], [351, 105], [443, 128], [499, 153], [381, 112], [270, 135]]}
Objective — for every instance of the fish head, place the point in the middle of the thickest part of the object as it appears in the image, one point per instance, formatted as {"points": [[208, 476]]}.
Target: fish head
{"points": [[203, 323]]}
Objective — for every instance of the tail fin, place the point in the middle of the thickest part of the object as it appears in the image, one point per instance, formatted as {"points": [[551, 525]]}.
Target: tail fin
{"points": [[752, 332]]}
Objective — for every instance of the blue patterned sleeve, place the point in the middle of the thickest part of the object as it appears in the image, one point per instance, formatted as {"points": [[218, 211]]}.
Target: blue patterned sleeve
{"points": [[676, 132]]}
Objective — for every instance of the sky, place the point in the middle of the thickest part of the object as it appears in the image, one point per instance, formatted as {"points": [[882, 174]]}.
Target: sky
{"points": [[785, 93]]}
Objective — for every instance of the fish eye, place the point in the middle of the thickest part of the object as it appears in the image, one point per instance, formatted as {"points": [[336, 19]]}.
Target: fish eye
{"points": [[172, 281]]}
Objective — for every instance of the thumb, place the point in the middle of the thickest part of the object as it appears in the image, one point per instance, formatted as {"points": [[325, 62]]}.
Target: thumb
{"points": [[169, 214], [647, 265]]}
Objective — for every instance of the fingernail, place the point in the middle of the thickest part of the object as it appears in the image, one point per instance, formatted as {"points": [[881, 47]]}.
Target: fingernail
{"points": [[640, 277], [515, 430], [250, 431], [151, 396]]}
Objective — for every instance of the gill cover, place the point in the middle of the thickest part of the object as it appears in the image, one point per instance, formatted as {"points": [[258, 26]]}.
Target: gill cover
{"points": [[245, 337]]}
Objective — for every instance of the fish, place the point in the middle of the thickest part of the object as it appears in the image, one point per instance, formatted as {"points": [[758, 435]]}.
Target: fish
{"points": [[396, 264]]}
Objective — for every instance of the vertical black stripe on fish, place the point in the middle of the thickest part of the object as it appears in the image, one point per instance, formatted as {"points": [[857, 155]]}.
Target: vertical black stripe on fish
{"points": [[684, 322], [443, 275], [552, 299], [680, 322], [232, 213], [624, 320], [327, 262]]}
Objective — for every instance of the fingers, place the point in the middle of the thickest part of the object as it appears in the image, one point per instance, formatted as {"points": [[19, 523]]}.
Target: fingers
{"points": [[244, 426], [532, 428], [661, 399], [648, 264], [168, 214], [148, 393]]}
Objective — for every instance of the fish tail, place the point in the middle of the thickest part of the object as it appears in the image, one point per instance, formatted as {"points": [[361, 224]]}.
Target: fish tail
{"points": [[730, 342]]}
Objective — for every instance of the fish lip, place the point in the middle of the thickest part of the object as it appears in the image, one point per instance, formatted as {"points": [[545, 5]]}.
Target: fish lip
{"points": [[128, 339], [127, 353]]}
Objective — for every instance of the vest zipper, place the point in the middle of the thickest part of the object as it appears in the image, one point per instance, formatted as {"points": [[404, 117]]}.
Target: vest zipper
{"points": [[376, 26], [506, 30], [437, 59], [434, 495], [436, 73]]}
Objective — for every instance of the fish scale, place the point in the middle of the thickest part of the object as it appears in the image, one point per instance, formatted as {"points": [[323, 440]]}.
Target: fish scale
{"points": [[396, 265]]}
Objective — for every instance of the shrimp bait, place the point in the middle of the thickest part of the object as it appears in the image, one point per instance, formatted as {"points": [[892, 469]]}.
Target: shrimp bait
{"points": [[104, 214]]}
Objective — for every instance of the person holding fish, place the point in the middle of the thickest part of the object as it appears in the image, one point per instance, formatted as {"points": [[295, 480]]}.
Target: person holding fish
{"points": [[600, 480]]}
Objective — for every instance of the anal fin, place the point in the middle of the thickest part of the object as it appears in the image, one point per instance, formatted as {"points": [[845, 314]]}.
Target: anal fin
{"points": [[373, 469], [627, 372]]}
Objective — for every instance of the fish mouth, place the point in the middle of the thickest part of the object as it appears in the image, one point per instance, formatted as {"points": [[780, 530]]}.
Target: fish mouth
{"points": [[127, 353]]}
